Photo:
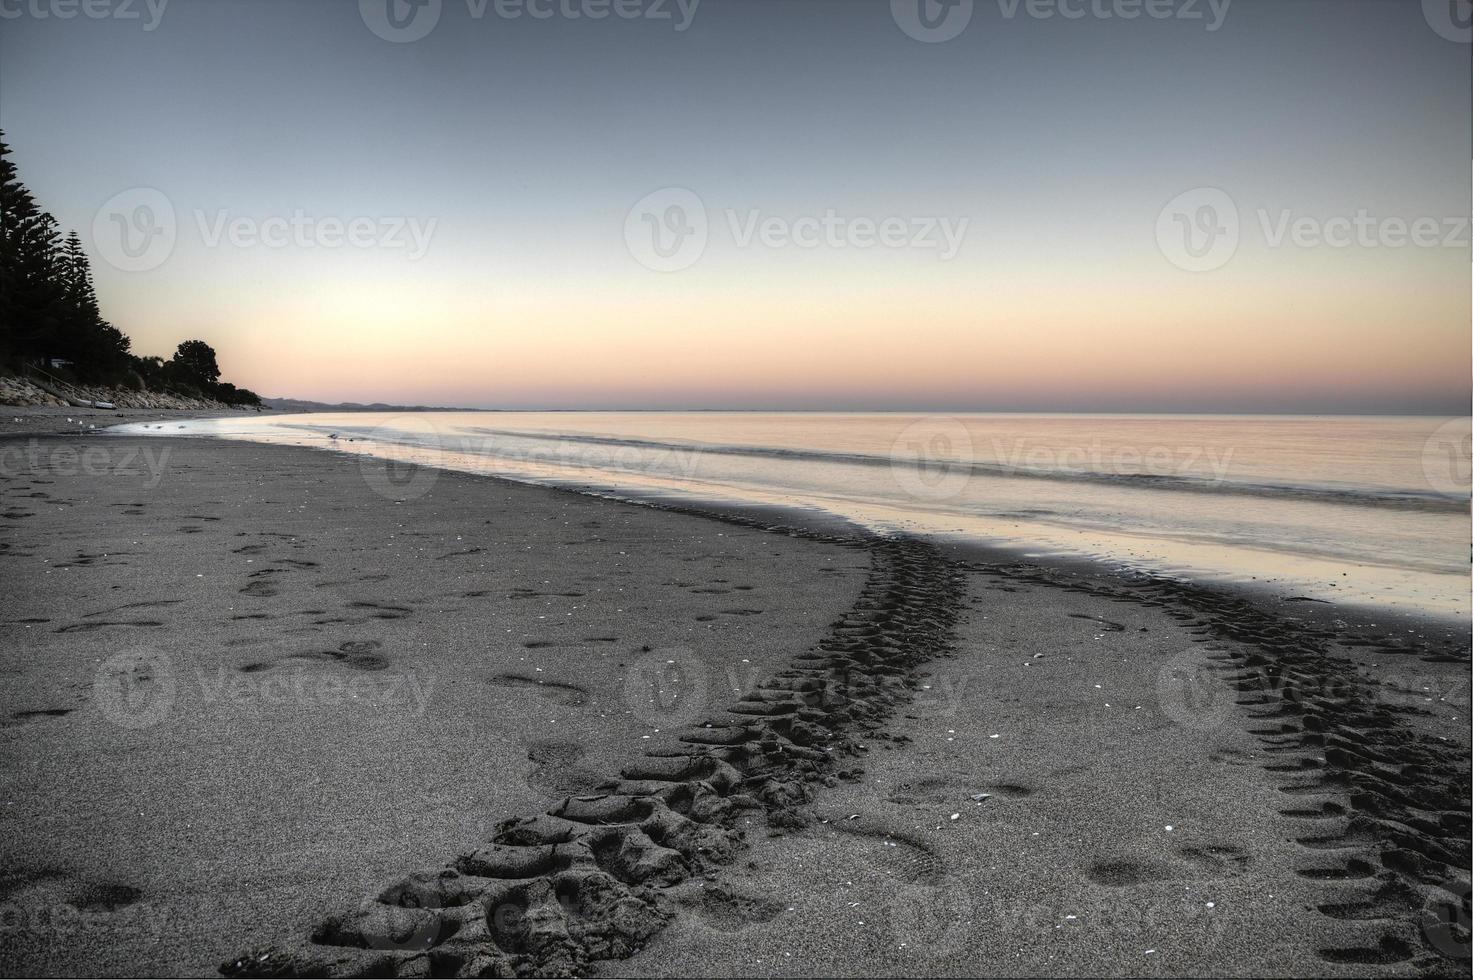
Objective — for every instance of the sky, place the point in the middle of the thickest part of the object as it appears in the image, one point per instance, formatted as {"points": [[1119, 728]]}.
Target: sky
{"points": [[1040, 205]]}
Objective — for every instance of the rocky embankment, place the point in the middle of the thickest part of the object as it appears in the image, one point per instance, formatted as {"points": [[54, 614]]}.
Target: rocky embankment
{"points": [[20, 391]]}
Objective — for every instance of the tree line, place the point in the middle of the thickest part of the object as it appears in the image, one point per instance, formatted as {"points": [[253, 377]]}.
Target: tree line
{"points": [[49, 313]]}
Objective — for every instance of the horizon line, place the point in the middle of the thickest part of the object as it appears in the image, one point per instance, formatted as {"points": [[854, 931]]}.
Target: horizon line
{"points": [[881, 411]]}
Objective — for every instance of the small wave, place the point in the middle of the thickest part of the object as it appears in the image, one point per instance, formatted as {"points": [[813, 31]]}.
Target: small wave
{"points": [[1397, 499]]}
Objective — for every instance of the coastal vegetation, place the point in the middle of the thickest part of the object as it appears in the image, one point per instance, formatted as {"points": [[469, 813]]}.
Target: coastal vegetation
{"points": [[51, 326]]}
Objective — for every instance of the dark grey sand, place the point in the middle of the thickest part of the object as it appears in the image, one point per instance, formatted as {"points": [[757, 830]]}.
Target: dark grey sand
{"points": [[344, 683], [1082, 795], [356, 687]]}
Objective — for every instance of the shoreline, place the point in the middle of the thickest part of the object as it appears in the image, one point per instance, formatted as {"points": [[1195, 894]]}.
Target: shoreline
{"points": [[679, 861], [36, 421], [1443, 630], [1408, 591], [1374, 622]]}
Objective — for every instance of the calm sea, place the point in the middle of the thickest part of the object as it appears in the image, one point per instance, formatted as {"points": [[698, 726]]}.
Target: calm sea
{"points": [[1353, 508]]}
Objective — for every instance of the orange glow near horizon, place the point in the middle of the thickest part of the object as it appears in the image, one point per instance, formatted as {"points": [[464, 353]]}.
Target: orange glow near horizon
{"points": [[860, 342]]}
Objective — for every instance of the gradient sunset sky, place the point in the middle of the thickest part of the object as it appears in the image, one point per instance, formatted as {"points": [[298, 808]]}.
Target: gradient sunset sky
{"points": [[527, 142]]}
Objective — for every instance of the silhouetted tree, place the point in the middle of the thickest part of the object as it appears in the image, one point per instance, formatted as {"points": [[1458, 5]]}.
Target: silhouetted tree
{"points": [[150, 370], [194, 363], [76, 280], [31, 295], [98, 349], [49, 309]]}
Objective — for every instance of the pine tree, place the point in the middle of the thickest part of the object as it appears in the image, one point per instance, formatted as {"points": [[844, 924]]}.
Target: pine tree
{"points": [[31, 295], [99, 350], [76, 274], [79, 318], [16, 208], [48, 303]]}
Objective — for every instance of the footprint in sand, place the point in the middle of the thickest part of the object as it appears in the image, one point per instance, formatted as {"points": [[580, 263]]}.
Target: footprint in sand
{"points": [[1389, 950], [1216, 858], [1108, 625], [1119, 874], [104, 896], [954, 789], [102, 625], [570, 695], [356, 655], [1012, 791], [36, 714], [13, 881], [726, 909], [893, 851], [382, 610], [262, 584]]}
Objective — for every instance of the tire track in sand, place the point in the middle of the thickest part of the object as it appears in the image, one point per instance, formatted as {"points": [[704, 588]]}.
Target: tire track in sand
{"points": [[589, 880]]}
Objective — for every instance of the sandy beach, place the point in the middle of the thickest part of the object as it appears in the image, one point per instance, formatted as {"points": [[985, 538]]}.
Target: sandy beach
{"points": [[349, 687], [714, 488], [276, 710]]}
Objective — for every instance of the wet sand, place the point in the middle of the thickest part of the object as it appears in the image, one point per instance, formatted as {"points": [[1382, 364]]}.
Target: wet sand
{"points": [[21, 422], [273, 709]]}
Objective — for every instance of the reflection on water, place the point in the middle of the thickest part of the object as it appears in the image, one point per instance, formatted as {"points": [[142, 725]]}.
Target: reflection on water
{"points": [[1360, 509]]}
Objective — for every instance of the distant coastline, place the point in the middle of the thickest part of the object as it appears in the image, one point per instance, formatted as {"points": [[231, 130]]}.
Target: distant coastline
{"points": [[302, 405]]}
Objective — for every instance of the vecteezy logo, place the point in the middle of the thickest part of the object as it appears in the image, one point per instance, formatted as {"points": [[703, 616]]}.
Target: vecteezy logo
{"points": [[932, 21], [399, 477], [667, 230], [1199, 230], [135, 230], [1447, 458], [1452, 19], [1191, 693], [667, 687], [932, 459], [135, 689], [1446, 928], [400, 21]]}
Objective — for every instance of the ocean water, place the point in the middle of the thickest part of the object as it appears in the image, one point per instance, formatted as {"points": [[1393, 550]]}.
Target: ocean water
{"points": [[1360, 509]]}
